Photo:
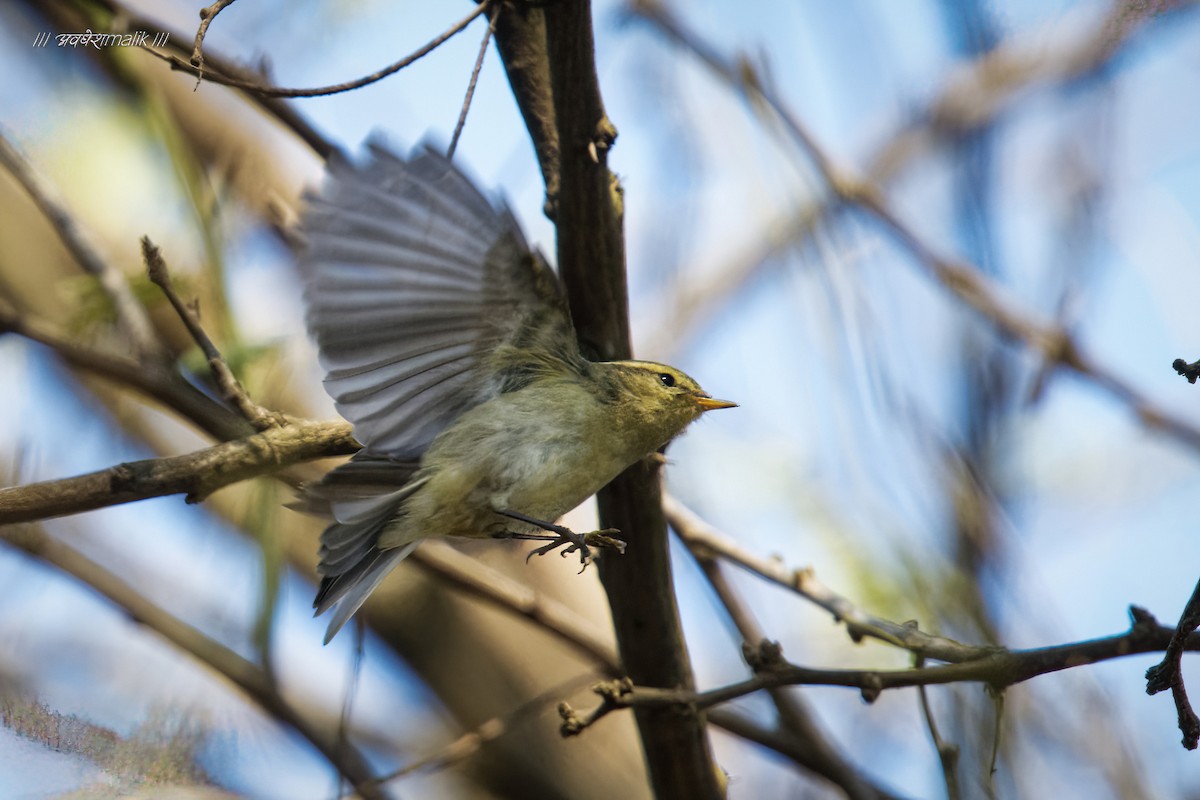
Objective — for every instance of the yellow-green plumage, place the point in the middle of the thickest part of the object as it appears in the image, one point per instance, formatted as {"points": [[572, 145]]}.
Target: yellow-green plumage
{"points": [[553, 443], [448, 344]]}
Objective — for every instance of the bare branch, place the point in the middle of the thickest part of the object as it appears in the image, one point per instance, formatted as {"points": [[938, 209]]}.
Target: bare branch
{"points": [[976, 95], [207, 15], [969, 100], [266, 90], [591, 255], [521, 41], [473, 740], [706, 542], [156, 380], [250, 678], [466, 105], [999, 669], [1049, 340], [947, 752], [783, 742], [816, 752], [196, 475], [131, 316], [124, 19], [1190, 371], [231, 388], [1169, 673]]}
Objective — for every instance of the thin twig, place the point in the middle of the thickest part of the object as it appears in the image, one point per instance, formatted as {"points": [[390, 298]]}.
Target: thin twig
{"points": [[1169, 673], [706, 542], [207, 15], [130, 314], [1190, 371], [783, 742], [490, 730], [997, 731], [1000, 669], [265, 90], [979, 93], [818, 754], [1050, 341], [250, 678], [125, 19], [947, 752], [356, 665], [231, 388], [466, 105]]}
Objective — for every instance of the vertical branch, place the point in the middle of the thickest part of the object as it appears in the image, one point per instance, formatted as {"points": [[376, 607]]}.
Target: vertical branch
{"points": [[521, 41], [591, 242], [591, 257]]}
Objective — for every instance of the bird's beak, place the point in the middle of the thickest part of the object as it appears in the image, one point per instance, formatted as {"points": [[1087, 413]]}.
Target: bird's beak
{"points": [[707, 403]]}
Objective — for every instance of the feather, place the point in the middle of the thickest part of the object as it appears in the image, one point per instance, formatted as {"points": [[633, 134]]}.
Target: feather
{"points": [[425, 301], [346, 593], [414, 281]]}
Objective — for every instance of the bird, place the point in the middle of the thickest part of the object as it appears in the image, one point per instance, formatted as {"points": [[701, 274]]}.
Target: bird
{"points": [[447, 343]]}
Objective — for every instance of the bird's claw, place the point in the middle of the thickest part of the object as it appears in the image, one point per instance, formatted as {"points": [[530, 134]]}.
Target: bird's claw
{"points": [[565, 538], [572, 542]]}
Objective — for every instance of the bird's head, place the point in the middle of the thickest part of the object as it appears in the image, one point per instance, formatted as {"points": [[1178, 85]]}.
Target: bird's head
{"points": [[658, 399]]}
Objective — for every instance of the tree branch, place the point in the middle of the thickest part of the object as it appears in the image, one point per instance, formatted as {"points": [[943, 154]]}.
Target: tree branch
{"points": [[815, 752], [266, 90], [196, 475], [521, 40], [1000, 669], [207, 15], [971, 98], [1191, 371], [472, 741], [250, 678], [466, 105], [948, 752], [784, 742], [1169, 673], [705, 542], [591, 258], [130, 314], [471, 577], [230, 387]]}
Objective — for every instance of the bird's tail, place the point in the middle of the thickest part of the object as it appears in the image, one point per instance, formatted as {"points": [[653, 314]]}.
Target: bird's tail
{"points": [[345, 593], [362, 497]]}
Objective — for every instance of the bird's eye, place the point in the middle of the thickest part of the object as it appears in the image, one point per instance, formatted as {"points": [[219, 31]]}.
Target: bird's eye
{"points": [[667, 379]]}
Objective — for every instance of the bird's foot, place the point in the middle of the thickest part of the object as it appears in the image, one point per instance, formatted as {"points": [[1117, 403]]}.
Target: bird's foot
{"points": [[571, 542], [565, 538]]}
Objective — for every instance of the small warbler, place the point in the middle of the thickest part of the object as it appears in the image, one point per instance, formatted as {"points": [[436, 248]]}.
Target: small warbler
{"points": [[448, 344]]}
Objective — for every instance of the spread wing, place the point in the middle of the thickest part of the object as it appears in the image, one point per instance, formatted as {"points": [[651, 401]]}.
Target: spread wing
{"points": [[424, 298]]}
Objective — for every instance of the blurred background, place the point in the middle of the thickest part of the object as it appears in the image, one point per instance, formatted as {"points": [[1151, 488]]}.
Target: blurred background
{"points": [[925, 466]]}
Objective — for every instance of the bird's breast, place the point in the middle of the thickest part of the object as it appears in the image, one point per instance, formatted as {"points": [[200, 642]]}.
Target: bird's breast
{"points": [[538, 451]]}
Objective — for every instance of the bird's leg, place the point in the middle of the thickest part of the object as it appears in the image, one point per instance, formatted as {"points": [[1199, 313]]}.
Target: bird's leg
{"points": [[565, 537]]}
